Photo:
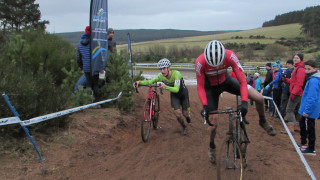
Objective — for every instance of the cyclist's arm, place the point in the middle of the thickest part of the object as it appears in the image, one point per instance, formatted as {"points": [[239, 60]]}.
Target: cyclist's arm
{"points": [[151, 81], [236, 67], [200, 75], [176, 87]]}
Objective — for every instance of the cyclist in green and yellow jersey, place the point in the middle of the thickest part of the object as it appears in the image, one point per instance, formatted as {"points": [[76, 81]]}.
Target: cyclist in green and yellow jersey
{"points": [[172, 81]]}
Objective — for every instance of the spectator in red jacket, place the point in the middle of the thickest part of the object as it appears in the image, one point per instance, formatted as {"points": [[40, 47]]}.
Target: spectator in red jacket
{"points": [[296, 89]]}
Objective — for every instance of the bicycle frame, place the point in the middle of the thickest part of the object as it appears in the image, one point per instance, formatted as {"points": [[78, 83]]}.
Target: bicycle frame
{"points": [[151, 111], [152, 95]]}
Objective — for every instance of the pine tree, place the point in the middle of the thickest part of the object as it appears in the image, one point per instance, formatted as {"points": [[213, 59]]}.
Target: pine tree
{"points": [[19, 14], [119, 80]]}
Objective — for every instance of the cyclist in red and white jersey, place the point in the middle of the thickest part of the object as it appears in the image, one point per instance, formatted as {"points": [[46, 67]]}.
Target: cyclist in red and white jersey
{"points": [[213, 78]]}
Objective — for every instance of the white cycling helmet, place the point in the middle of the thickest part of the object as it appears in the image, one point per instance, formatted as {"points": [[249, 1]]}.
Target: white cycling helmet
{"points": [[214, 53], [164, 63]]}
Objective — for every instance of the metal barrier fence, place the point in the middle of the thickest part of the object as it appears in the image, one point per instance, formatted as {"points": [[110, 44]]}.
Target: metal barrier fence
{"points": [[16, 119], [190, 66]]}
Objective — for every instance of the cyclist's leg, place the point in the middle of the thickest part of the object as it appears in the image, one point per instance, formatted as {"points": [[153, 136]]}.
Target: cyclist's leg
{"points": [[175, 104], [258, 98], [213, 102], [185, 105], [234, 88]]}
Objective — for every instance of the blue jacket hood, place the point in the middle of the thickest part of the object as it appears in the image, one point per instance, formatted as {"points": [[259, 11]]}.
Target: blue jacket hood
{"points": [[85, 39]]}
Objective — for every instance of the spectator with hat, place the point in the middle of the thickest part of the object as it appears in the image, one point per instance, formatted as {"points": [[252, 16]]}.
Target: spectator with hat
{"points": [[276, 83], [83, 60], [296, 89]]}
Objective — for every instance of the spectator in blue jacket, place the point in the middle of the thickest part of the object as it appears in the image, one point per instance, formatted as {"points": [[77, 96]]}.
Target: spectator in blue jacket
{"points": [[257, 81], [83, 59], [309, 108], [285, 88], [276, 91]]}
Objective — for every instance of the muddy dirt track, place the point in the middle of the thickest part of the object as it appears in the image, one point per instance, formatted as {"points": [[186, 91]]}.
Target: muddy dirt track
{"points": [[106, 144]]}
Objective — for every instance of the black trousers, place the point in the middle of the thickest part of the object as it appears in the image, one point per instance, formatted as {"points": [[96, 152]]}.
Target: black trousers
{"points": [[93, 82], [276, 93], [307, 131]]}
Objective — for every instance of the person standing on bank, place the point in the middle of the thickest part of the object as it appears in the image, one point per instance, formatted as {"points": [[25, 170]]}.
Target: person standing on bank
{"points": [[296, 89], [83, 60], [309, 108], [111, 44]]}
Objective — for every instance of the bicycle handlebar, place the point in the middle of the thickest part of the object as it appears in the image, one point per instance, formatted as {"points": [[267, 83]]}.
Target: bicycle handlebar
{"points": [[228, 110], [149, 85]]}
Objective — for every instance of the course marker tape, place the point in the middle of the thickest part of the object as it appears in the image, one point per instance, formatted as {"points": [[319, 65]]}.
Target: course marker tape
{"points": [[10, 120], [68, 111], [16, 119]]}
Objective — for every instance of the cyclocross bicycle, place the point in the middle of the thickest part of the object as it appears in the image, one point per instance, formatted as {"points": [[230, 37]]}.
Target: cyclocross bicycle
{"points": [[151, 111], [232, 156]]}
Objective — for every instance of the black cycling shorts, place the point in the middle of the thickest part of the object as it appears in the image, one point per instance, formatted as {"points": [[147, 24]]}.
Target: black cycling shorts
{"points": [[230, 85], [180, 99]]}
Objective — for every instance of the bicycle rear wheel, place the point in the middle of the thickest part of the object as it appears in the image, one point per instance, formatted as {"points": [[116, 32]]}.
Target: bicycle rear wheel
{"points": [[156, 109], [146, 121], [229, 160]]}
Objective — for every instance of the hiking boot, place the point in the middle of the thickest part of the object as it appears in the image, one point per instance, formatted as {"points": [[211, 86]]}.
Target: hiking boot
{"points": [[188, 119], [245, 120], [309, 152], [212, 155], [267, 127]]}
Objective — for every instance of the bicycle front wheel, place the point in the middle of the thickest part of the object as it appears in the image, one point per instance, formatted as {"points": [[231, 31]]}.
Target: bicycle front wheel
{"points": [[146, 121], [229, 160]]}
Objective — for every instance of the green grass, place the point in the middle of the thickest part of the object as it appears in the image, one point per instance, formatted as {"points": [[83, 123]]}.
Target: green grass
{"points": [[271, 34]]}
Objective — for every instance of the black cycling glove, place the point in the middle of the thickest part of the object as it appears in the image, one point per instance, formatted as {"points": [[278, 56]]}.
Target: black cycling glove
{"points": [[244, 108], [205, 111]]}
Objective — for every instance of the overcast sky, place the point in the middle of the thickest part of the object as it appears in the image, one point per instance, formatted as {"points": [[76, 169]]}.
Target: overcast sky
{"points": [[203, 15]]}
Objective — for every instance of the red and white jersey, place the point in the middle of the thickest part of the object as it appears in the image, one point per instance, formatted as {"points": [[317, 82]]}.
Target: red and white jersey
{"points": [[217, 75]]}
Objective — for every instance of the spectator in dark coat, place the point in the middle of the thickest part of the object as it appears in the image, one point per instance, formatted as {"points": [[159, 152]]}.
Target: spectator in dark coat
{"points": [[111, 43], [285, 88], [268, 80]]}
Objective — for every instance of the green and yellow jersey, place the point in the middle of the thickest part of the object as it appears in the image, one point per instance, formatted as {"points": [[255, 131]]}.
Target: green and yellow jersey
{"points": [[175, 84]]}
